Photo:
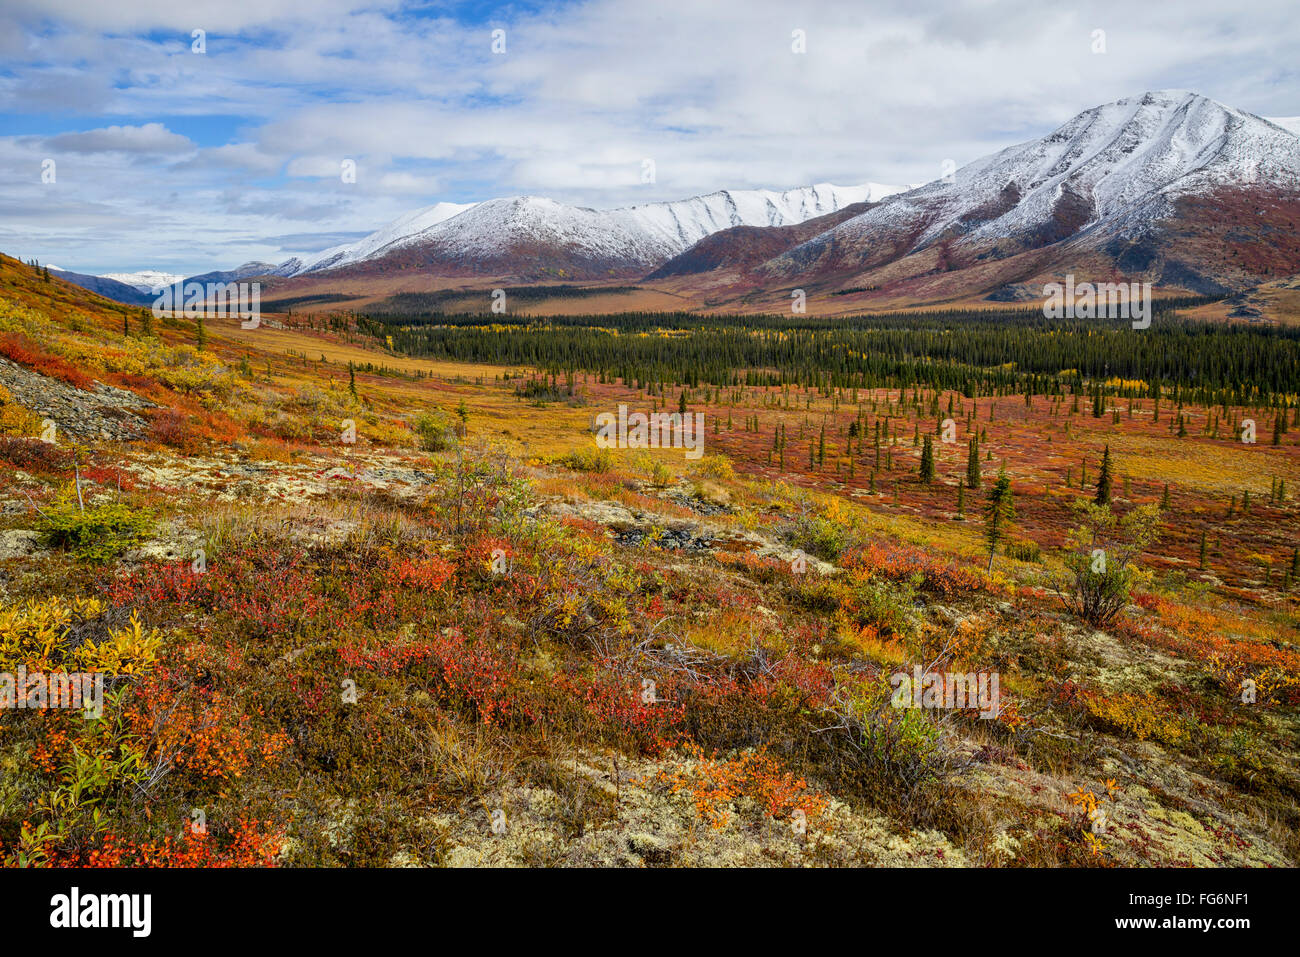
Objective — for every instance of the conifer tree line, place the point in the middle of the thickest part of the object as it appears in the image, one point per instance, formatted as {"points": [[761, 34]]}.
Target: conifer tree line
{"points": [[972, 353]]}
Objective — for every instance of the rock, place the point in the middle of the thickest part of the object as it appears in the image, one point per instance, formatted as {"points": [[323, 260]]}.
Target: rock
{"points": [[104, 413], [949, 616], [17, 542], [650, 848]]}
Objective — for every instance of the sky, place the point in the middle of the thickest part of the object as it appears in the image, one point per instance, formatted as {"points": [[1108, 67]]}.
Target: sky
{"points": [[128, 141]]}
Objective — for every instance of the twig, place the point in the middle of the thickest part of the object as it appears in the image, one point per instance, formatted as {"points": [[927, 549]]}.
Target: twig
{"points": [[34, 505]]}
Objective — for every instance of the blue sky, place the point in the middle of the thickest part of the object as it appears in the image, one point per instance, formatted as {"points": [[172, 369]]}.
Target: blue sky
{"points": [[167, 158]]}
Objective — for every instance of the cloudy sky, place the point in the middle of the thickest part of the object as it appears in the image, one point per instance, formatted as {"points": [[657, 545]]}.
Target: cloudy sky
{"points": [[183, 154]]}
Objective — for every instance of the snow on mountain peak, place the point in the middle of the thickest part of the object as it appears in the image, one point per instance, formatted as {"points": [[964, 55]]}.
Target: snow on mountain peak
{"points": [[1122, 163], [402, 230], [145, 280], [642, 235]]}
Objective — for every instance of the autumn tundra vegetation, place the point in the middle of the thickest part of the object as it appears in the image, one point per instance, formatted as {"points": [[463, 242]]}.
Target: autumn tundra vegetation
{"points": [[364, 590]]}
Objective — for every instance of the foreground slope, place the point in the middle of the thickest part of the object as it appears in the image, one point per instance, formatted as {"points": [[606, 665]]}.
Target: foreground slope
{"points": [[363, 609]]}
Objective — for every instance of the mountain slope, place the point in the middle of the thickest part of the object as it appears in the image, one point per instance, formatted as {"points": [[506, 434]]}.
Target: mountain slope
{"points": [[533, 236], [744, 247], [404, 229], [122, 292], [1133, 173]]}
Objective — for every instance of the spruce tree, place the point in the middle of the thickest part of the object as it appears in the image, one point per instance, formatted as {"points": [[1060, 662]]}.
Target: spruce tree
{"points": [[973, 462], [999, 513], [927, 461], [1104, 480]]}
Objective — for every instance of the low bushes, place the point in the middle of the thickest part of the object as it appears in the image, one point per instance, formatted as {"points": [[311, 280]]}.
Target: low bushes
{"points": [[97, 534]]}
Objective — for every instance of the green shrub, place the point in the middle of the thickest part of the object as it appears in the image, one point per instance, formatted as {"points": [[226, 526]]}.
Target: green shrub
{"points": [[433, 431], [589, 460], [97, 535], [661, 475], [886, 605], [821, 537]]}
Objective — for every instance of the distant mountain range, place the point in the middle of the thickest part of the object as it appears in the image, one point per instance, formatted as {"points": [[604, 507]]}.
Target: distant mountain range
{"points": [[107, 287], [540, 237], [1168, 186]]}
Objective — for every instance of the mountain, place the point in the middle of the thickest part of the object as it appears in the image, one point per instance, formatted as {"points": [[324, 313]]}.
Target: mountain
{"points": [[1169, 185], [744, 247], [109, 288], [136, 289], [537, 237], [248, 270], [146, 280], [404, 229]]}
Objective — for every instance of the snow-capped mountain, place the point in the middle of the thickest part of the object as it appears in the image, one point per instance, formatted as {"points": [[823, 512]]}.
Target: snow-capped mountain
{"points": [[105, 286], [1168, 186], [1111, 175], [146, 280], [403, 230], [530, 234]]}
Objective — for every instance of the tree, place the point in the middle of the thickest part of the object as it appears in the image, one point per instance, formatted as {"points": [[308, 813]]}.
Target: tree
{"points": [[1104, 480], [352, 380], [927, 461], [681, 402], [1102, 563], [201, 335], [999, 513], [973, 462]]}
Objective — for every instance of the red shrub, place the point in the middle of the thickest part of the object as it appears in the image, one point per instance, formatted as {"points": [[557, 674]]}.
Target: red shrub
{"points": [[174, 429], [33, 455], [25, 353], [252, 844]]}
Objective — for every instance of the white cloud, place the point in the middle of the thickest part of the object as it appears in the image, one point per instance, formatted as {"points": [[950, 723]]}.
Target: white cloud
{"points": [[711, 92], [149, 138]]}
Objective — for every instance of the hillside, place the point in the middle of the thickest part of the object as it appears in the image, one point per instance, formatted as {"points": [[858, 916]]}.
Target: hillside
{"points": [[363, 608]]}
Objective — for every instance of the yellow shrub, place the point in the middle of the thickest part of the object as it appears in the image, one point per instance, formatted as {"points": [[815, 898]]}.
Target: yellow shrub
{"points": [[1140, 715], [34, 634], [14, 419]]}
